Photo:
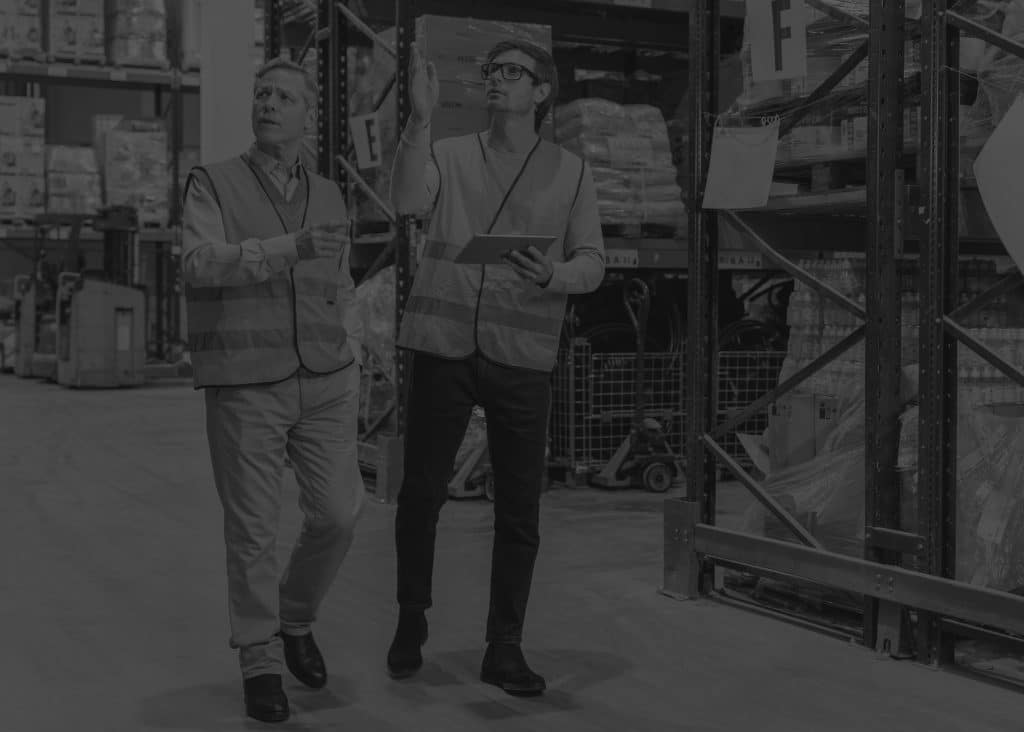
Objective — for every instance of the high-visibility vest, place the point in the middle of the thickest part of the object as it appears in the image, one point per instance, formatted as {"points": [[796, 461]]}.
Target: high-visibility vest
{"points": [[455, 310], [267, 331]]}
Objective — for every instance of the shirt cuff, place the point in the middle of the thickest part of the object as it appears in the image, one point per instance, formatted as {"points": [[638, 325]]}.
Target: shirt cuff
{"points": [[416, 135], [280, 252], [559, 282]]}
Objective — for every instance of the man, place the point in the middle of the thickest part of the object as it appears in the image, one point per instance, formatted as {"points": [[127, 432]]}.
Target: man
{"points": [[486, 334], [274, 344]]}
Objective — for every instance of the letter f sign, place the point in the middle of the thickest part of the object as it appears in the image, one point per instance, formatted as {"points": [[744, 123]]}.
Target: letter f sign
{"points": [[781, 33]]}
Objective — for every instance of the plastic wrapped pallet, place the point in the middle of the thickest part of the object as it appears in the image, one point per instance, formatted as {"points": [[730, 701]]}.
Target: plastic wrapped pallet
{"points": [[135, 169], [831, 38], [72, 180], [21, 29], [75, 30], [628, 149], [138, 32]]}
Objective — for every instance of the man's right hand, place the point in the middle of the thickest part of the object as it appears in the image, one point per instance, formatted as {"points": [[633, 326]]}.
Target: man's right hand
{"points": [[424, 87], [323, 240]]}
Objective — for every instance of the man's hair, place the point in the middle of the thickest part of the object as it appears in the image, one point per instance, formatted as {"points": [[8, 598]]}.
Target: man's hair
{"points": [[310, 90], [545, 70]]}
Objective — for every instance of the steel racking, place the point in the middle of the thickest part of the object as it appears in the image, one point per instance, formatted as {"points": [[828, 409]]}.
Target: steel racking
{"points": [[888, 217]]}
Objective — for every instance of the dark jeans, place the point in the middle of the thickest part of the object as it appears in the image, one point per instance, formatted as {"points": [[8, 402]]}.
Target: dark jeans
{"points": [[442, 395]]}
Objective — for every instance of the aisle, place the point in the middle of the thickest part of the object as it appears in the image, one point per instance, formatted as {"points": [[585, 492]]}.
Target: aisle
{"points": [[114, 608]]}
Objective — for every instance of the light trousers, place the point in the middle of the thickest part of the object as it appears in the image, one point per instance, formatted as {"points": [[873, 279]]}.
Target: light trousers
{"points": [[314, 421]]}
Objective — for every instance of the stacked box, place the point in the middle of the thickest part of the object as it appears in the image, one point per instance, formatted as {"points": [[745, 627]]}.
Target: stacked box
{"points": [[72, 180], [21, 29], [138, 32], [22, 159], [75, 30], [457, 47], [135, 169]]}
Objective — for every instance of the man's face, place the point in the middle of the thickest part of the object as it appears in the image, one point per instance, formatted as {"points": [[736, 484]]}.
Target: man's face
{"points": [[519, 96], [280, 114]]}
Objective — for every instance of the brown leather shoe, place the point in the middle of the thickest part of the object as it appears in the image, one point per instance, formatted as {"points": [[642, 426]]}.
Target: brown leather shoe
{"points": [[265, 699], [303, 658]]}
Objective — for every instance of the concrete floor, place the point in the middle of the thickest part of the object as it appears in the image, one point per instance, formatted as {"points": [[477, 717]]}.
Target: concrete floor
{"points": [[114, 607]]}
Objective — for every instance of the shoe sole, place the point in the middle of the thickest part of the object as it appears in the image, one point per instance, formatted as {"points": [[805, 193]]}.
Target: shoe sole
{"points": [[270, 718], [403, 673], [512, 690]]}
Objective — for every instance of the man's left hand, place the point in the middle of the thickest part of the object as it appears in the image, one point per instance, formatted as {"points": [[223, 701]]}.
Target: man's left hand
{"points": [[532, 265]]}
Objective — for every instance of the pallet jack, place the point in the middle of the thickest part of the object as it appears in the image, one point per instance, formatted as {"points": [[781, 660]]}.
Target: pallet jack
{"points": [[644, 459]]}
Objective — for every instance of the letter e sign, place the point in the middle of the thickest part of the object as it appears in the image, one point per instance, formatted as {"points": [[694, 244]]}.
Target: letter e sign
{"points": [[366, 139], [778, 39]]}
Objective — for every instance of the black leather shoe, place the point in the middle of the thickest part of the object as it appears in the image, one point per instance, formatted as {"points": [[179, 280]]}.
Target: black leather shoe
{"points": [[405, 656], [505, 666], [265, 699], [304, 660]]}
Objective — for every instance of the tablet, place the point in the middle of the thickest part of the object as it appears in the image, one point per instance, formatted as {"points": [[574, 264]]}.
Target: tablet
{"points": [[490, 248]]}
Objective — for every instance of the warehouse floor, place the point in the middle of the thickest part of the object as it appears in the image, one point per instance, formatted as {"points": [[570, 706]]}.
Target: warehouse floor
{"points": [[114, 601]]}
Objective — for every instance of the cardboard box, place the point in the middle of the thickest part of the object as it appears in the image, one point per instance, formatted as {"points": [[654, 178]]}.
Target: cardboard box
{"points": [[21, 34], [25, 7], [22, 116], [798, 426], [75, 30], [73, 193], [22, 156], [135, 168], [22, 196]]}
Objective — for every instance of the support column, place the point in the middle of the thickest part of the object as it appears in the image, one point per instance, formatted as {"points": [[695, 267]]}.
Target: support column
{"points": [[940, 110], [882, 346]]}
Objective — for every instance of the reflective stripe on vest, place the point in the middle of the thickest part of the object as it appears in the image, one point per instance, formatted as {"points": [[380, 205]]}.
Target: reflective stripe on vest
{"points": [[455, 309], [265, 331]]}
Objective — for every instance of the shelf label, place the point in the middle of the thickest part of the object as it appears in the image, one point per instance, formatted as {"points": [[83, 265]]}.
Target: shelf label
{"points": [[778, 39], [118, 75], [622, 258], [56, 70], [366, 139], [740, 260]]}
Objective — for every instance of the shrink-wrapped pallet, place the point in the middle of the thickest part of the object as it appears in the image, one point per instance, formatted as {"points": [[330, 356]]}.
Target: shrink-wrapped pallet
{"points": [[72, 180], [138, 32], [628, 149]]}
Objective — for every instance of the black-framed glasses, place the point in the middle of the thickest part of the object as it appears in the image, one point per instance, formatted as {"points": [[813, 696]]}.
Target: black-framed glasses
{"points": [[509, 71]]}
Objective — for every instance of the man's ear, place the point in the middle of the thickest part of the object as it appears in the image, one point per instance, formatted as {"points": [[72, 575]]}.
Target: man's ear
{"points": [[310, 120], [541, 92]]}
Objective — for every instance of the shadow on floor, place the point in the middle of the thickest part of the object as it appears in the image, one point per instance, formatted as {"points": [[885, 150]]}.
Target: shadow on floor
{"points": [[220, 707]]}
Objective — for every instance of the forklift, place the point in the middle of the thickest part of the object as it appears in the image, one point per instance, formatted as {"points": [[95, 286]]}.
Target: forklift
{"points": [[644, 459], [100, 314]]}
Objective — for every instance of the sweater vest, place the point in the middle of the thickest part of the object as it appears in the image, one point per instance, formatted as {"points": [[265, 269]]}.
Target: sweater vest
{"points": [[266, 331], [455, 310]]}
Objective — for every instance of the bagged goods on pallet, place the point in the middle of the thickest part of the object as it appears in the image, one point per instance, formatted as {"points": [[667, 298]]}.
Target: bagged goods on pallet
{"points": [[21, 29], [138, 32], [628, 149], [72, 180]]}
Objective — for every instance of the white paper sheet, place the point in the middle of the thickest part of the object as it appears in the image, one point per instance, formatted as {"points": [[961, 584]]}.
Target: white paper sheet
{"points": [[742, 166], [999, 170]]}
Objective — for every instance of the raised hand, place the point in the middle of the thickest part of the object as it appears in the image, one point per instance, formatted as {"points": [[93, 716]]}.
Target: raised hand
{"points": [[424, 87]]}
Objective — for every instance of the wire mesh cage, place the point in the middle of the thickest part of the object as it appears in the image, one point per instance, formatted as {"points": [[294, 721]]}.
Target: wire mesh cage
{"points": [[594, 400]]}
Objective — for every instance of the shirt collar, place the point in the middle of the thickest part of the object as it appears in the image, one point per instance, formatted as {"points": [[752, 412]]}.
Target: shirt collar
{"points": [[270, 165]]}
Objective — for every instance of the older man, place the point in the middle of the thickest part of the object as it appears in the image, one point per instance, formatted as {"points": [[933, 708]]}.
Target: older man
{"points": [[273, 343]]}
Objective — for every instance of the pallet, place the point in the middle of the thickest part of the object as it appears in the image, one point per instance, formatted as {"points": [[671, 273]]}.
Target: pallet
{"points": [[93, 61], [16, 222]]}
